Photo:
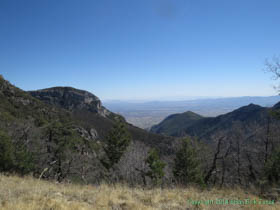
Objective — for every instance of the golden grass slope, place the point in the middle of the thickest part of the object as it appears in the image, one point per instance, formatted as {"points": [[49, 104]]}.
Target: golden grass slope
{"points": [[33, 194]]}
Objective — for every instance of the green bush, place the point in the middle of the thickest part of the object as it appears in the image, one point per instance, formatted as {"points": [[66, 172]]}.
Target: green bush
{"points": [[186, 165], [116, 143], [23, 162], [156, 167], [272, 167], [14, 157], [6, 153], [62, 141]]}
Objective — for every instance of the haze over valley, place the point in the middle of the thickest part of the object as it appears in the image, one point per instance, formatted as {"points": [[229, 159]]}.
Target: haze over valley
{"points": [[148, 113]]}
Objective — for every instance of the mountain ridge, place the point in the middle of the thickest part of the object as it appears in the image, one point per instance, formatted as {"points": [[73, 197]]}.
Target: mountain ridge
{"points": [[147, 114], [184, 119], [87, 109], [66, 113], [71, 98], [206, 126]]}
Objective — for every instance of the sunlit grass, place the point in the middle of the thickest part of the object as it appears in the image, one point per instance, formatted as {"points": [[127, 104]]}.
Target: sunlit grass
{"points": [[33, 194]]}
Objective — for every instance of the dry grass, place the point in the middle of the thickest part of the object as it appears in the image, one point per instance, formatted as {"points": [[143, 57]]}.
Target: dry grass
{"points": [[30, 194]]}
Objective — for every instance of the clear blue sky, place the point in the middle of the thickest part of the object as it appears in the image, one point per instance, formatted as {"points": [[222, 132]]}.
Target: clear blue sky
{"points": [[140, 49]]}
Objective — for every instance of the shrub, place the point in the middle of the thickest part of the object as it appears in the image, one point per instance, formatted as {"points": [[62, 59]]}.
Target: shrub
{"points": [[156, 167], [186, 165], [116, 143], [272, 167], [14, 157], [6, 153]]}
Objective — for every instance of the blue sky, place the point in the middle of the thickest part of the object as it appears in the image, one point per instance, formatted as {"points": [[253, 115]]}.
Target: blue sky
{"points": [[148, 49]]}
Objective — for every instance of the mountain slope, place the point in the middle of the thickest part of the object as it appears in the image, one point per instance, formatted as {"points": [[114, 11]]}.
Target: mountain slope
{"points": [[244, 116], [58, 146], [173, 123], [205, 127], [241, 142], [63, 129], [88, 111], [72, 99]]}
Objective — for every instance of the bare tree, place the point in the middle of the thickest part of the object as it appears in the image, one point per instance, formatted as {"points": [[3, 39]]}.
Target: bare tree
{"points": [[267, 139], [224, 164], [214, 163], [273, 66]]}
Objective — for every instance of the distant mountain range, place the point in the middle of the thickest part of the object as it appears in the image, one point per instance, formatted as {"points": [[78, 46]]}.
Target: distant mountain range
{"points": [[147, 114], [190, 123]]}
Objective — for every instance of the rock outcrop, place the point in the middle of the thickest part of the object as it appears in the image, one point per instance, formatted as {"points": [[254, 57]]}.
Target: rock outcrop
{"points": [[71, 99]]}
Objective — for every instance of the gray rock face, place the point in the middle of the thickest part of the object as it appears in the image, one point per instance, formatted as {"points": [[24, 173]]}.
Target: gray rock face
{"points": [[71, 99], [93, 133], [88, 135], [9, 90]]}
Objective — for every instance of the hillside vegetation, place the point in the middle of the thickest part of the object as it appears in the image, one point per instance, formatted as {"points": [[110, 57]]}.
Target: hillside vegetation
{"points": [[171, 124], [193, 124], [65, 135], [29, 194], [62, 131]]}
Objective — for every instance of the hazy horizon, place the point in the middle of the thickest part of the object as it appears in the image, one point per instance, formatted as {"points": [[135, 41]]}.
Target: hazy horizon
{"points": [[186, 98], [144, 114]]}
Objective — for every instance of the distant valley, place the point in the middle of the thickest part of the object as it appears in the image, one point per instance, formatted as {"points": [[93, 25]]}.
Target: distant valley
{"points": [[147, 114]]}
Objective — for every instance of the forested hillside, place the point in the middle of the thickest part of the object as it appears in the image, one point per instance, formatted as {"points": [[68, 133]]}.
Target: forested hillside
{"points": [[65, 134]]}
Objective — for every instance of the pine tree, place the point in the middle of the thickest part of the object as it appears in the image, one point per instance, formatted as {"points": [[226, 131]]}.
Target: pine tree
{"points": [[156, 167], [6, 153], [272, 168], [187, 166], [24, 162], [116, 143], [14, 157], [62, 140]]}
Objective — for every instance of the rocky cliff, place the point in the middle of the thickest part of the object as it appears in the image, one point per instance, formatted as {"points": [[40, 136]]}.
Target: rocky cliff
{"points": [[62, 129], [71, 99]]}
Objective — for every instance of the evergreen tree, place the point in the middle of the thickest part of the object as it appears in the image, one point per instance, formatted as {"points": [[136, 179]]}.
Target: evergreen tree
{"points": [[156, 167], [116, 143], [187, 166], [23, 162], [6, 153], [14, 157], [62, 141], [272, 168]]}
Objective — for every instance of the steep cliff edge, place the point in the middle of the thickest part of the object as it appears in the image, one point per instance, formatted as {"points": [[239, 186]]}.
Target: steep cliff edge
{"points": [[72, 99]]}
